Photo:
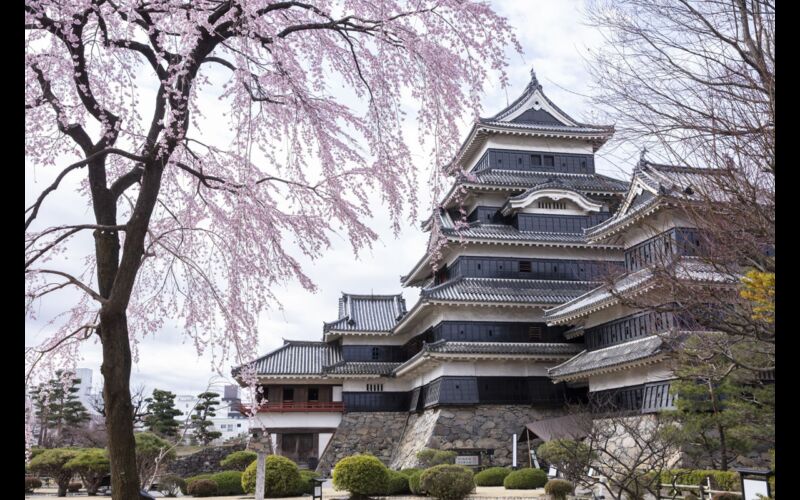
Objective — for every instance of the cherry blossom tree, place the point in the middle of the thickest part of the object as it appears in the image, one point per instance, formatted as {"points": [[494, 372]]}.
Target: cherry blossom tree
{"points": [[198, 231]]}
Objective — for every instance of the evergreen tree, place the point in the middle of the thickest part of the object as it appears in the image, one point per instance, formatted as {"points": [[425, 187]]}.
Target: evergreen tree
{"points": [[161, 414], [723, 411], [206, 408], [58, 409]]}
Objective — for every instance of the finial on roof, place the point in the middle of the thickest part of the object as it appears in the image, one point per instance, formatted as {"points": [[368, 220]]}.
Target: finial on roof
{"points": [[642, 160], [534, 81]]}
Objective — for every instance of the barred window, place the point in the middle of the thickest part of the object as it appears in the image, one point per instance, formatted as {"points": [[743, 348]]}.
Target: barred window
{"points": [[374, 387]]}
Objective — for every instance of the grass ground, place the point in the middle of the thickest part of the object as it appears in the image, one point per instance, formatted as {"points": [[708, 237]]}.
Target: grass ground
{"points": [[481, 493]]}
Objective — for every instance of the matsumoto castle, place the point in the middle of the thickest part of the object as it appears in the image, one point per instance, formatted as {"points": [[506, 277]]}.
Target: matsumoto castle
{"points": [[514, 323]]}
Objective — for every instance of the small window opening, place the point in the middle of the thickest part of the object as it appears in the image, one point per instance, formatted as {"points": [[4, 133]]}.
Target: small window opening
{"points": [[313, 394], [549, 161], [535, 333], [524, 266], [376, 353]]}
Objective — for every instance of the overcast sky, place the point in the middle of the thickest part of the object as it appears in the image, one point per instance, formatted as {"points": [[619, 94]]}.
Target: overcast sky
{"points": [[554, 41]]}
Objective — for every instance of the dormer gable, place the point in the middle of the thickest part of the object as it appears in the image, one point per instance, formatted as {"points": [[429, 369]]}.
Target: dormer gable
{"points": [[551, 197]]}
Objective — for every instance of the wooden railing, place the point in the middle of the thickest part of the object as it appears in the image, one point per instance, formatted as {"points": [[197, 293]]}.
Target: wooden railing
{"points": [[302, 406]]}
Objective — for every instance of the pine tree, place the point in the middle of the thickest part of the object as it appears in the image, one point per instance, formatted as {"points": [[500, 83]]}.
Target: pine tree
{"points": [[58, 409], [206, 408], [162, 413]]}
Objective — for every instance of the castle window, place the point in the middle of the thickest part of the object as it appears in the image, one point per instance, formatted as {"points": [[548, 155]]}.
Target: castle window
{"points": [[376, 353], [535, 333], [536, 160], [549, 161], [374, 387], [288, 395], [313, 394], [524, 266]]}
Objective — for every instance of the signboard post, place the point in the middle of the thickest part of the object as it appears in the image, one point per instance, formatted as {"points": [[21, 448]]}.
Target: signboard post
{"points": [[514, 452], [260, 445]]}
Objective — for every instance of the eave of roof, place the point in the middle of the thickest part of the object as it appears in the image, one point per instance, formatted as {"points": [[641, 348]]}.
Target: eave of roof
{"points": [[445, 349], [638, 352]]}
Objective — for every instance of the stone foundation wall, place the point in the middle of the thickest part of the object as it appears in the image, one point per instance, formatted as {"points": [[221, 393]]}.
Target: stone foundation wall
{"points": [[203, 461], [487, 426], [417, 435], [377, 433]]}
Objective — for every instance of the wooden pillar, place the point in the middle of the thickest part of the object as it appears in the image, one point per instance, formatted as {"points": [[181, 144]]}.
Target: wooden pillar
{"points": [[260, 473], [530, 459]]}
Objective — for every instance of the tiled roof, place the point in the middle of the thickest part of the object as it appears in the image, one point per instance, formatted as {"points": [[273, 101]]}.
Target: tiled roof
{"points": [[613, 356], [502, 290], [584, 183], [361, 368], [298, 358], [481, 231], [450, 347], [549, 127], [686, 268], [368, 313], [659, 183]]}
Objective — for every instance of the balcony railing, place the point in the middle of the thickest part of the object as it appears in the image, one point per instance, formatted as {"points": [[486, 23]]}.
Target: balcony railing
{"points": [[301, 406]]}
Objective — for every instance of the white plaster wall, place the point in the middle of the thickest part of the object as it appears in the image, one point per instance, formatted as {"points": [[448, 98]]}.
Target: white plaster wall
{"points": [[435, 313], [337, 393], [608, 314], [389, 384], [311, 420], [361, 339], [651, 226], [633, 376]]}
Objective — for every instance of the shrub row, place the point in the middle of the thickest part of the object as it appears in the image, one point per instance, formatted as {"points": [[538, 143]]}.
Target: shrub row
{"points": [[724, 480]]}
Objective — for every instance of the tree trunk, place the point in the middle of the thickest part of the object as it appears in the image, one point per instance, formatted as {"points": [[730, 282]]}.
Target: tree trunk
{"points": [[723, 448], [116, 370]]}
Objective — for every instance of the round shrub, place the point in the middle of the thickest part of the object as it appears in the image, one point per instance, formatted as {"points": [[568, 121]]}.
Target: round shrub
{"points": [[448, 482], [281, 477], [398, 483], [558, 489], [726, 496], [170, 484], [493, 476], [361, 475], [414, 482], [306, 485], [74, 487], [525, 479], [690, 496], [229, 483], [428, 457], [409, 471], [203, 488], [31, 483], [238, 460], [189, 480]]}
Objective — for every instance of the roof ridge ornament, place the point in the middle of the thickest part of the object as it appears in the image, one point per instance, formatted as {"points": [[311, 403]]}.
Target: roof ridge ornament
{"points": [[534, 83], [642, 159]]}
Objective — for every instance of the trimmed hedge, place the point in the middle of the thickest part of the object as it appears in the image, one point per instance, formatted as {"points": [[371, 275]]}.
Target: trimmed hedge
{"points": [[428, 457], [238, 460], [724, 480], [558, 489], [361, 475], [31, 483], [189, 480], [525, 479], [229, 483], [281, 477], [414, 482], [409, 471], [398, 483], [493, 476], [448, 482], [306, 485], [203, 488], [726, 496]]}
